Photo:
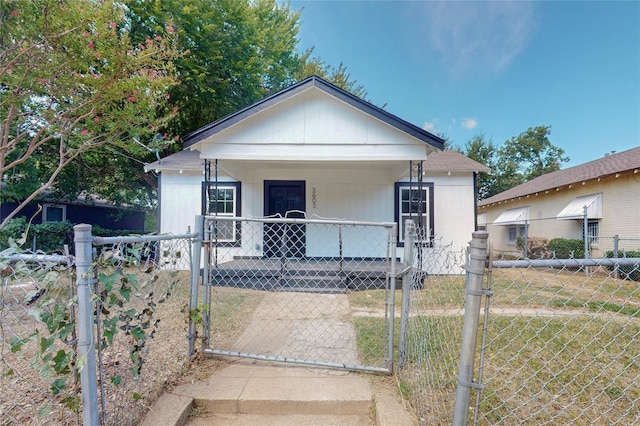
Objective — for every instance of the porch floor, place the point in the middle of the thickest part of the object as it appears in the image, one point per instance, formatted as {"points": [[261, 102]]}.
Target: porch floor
{"points": [[302, 274]]}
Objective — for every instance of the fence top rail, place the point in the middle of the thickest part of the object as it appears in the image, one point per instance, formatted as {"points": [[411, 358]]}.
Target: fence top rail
{"points": [[100, 241], [571, 263], [300, 221], [39, 258]]}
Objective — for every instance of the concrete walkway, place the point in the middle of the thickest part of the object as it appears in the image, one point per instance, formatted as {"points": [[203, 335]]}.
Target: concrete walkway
{"points": [[249, 392]]}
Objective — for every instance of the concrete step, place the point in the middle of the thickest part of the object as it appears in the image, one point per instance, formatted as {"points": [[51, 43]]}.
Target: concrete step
{"points": [[208, 419], [268, 390], [246, 394]]}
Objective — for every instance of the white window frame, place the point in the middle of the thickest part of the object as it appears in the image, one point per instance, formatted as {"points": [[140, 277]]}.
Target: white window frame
{"points": [[426, 216], [233, 224], [48, 206], [207, 203]]}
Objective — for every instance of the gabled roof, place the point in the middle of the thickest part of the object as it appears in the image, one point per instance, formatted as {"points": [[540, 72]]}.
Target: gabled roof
{"points": [[318, 83], [605, 166], [452, 161]]}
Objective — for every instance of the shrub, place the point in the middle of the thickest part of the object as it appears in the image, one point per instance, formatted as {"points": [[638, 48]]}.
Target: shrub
{"points": [[561, 248], [98, 231], [52, 236], [537, 247], [14, 229], [630, 272]]}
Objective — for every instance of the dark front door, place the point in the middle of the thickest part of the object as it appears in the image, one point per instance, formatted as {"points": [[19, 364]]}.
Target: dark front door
{"points": [[287, 199]]}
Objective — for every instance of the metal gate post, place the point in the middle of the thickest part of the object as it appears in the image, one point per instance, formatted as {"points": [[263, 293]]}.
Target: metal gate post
{"points": [[206, 276], [392, 296], [86, 345], [474, 293], [195, 283], [407, 280]]}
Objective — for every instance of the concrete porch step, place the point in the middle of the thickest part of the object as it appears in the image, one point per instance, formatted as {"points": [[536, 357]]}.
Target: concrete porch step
{"points": [[268, 390], [263, 394], [207, 419]]}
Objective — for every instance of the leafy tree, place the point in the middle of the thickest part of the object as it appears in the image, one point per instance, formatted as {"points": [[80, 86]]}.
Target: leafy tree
{"points": [[483, 151], [234, 52], [532, 153], [338, 76], [519, 160], [72, 81]]}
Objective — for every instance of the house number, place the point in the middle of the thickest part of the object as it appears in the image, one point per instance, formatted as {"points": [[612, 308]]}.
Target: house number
{"points": [[313, 196]]}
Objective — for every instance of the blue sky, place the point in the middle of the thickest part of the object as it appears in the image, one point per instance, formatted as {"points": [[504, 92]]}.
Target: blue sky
{"points": [[496, 68]]}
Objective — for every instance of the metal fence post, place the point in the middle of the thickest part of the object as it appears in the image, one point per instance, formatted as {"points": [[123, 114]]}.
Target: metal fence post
{"points": [[616, 269], [407, 279], [392, 296], [475, 273], [195, 283], [585, 230], [86, 344]]}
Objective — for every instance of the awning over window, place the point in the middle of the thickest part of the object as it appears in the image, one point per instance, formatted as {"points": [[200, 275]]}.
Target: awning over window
{"points": [[575, 209], [517, 216]]}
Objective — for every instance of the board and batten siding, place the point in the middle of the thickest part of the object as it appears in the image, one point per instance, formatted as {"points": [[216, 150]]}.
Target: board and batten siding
{"points": [[454, 221], [313, 126]]}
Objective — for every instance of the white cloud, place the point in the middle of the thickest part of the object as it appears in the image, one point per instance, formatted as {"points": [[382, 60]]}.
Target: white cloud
{"points": [[469, 123], [429, 126], [472, 37]]}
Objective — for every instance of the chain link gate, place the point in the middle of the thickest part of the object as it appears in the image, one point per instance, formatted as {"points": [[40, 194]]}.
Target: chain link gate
{"points": [[277, 289]]}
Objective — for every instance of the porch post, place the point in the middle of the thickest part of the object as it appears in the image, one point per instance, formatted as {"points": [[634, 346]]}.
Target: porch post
{"points": [[407, 281]]}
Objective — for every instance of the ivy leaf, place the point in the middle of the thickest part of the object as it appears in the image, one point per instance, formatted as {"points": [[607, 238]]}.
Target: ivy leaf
{"points": [[16, 344], [116, 380], [108, 280], [61, 362], [138, 333], [125, 291], [58, 385]]}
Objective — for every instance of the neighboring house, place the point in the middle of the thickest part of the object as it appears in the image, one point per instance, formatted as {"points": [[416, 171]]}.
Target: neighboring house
{"points": [[337, 156], [553, 205], [100, 213]]}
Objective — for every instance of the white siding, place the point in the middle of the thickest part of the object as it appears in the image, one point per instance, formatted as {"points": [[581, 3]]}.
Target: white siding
{"points": [[355, 194], [180, 201], [313, 126]]}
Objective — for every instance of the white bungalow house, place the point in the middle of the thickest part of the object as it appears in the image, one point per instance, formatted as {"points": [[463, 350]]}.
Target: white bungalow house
{"points": [[317, 149], [553, 205]]}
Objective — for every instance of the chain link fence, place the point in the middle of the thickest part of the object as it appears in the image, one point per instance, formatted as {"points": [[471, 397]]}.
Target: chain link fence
{"points": [[138, 316], [141, 300], [282, 291], [34, 296], [561, 346], [428, 371], [556, 342]]}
